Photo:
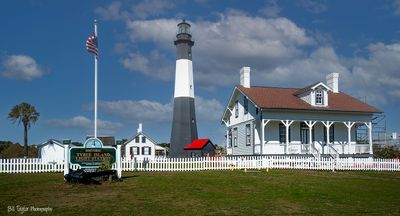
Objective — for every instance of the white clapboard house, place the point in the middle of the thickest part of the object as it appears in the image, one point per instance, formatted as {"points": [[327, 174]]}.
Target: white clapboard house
{"points": [[51, 151], [317, 119], [142, 147]]}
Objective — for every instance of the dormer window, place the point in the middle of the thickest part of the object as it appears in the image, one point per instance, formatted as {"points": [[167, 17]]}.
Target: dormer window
{"points": [[319, 97]]}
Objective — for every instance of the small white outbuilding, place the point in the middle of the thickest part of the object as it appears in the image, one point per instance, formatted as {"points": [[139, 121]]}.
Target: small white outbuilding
{"points": [[51, 151]]}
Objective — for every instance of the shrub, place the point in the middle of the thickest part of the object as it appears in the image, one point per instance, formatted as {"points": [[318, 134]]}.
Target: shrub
{"points": [[387, 152]]}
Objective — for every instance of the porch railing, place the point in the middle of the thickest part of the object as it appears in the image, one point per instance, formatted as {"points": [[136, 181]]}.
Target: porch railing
{"points": [[315, 152], [332, 151]]}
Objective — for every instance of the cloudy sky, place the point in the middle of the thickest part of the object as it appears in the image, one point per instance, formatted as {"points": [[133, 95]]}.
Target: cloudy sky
{"points": [[43, 60]]}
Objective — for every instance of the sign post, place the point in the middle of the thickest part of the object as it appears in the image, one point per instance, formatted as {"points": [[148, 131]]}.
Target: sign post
{"points": [[66, 157], [119, 162]]}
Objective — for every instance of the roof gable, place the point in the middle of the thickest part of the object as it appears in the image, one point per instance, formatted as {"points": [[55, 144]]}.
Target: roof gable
{"points": [[51, 141], [141, 133], [198, 144], [231, 101], [311, 87]]}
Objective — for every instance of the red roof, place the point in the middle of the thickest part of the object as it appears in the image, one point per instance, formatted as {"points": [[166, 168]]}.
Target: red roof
{"points": [[197, 144], [285, 98]]}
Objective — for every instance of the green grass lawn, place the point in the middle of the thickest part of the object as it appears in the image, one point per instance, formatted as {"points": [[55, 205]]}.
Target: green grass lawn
{"points": [[278, 192]]}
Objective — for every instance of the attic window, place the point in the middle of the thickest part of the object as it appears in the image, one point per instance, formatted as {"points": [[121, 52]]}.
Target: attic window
{"points": [[319, 97]]}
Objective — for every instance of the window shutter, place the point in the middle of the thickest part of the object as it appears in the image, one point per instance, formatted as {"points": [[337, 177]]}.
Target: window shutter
{"points": [[149, 150]]}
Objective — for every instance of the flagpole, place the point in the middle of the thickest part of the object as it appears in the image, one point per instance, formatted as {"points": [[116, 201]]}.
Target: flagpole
{"points": [[95, 85]]}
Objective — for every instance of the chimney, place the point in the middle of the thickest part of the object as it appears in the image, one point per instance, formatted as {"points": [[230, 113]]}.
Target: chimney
{"points": [[245, 77], [332, 80], [139, 130]]}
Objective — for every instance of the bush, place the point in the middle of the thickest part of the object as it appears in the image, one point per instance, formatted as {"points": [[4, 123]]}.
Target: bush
{"points": [[106, 165], [387, 152]]}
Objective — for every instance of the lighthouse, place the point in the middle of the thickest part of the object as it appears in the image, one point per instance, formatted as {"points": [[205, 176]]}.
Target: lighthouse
{"points": [[184, 129]]}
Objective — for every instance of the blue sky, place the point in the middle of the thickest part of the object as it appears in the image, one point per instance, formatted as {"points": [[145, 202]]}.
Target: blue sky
{"points": [[43, 60]]}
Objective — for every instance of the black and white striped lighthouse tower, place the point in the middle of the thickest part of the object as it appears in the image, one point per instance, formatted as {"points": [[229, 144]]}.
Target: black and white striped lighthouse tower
{"points": [[184, 129]]}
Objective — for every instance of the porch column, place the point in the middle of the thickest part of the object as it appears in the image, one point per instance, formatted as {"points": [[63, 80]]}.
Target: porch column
{"points": [[369, 126], [310, 125], [349, 125], [287, 124], [327, 124], [227, 138], [264, 123]]}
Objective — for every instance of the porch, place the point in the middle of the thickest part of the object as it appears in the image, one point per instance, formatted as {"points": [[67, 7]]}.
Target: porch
{"points": [[272, 136]]}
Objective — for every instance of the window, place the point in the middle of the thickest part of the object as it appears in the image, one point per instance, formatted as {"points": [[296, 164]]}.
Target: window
{"points": [[143, 139], [235, 137], [319, 97], [146, 150], [248, 135], [256, 110], [137, 139], [134, 150], [246, 105], [236, 109], [282, 133], [331, 134]]}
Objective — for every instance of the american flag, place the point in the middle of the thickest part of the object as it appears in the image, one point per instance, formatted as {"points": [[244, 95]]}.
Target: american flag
{"points": [[91, 45]]}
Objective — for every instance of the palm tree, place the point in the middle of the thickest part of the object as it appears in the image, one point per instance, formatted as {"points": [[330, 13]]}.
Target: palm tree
{"points": [[26, 114]]}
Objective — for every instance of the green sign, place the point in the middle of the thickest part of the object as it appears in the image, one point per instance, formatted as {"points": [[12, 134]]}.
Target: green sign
{"points": [[92, 154]]}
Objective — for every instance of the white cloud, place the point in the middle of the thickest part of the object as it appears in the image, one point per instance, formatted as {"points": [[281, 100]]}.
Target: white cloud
{"points": [[144, 9], [21, 67], [112, 12], [81, 122], [156, 112], [396, 5], [375, 77], [313, 6], [272, 9], [155, 65], [148, 8], [142, 110], [221, 47]]}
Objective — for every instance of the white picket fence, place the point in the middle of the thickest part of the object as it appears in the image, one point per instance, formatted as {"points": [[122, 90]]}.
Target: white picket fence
{"points": [[33, 165]]}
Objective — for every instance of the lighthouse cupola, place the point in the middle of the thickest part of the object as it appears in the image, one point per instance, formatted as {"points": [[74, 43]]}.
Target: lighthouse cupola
{"points": [[184, 41]]}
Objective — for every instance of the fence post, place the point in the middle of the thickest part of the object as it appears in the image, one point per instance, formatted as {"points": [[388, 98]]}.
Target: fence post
{"points": [[118, 160], [66, 160]]}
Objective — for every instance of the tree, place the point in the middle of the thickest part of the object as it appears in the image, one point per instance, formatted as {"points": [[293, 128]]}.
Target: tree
{"points": [[26, 114]]}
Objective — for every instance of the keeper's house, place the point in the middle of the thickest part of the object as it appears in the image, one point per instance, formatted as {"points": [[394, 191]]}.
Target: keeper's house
{"points": [[142, 147], [315, 120]]}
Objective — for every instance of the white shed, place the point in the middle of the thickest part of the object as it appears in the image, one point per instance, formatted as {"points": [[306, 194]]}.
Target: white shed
{"points": [[51, 151]]}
